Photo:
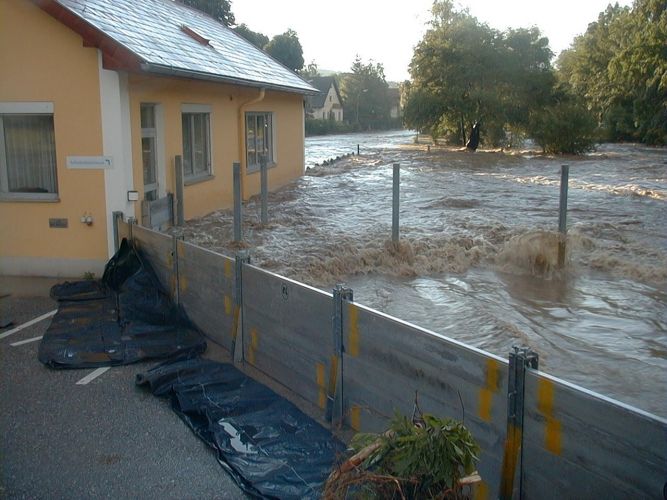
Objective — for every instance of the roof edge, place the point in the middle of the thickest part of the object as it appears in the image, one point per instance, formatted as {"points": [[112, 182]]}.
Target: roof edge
{"points": [[159, 69]]}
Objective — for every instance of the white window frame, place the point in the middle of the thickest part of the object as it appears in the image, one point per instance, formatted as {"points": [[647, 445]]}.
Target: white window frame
{"points": [[23, 108], [192, 109]]}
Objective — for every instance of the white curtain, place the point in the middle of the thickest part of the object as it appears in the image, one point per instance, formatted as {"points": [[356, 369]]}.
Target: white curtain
{"points": [[30, 153]]}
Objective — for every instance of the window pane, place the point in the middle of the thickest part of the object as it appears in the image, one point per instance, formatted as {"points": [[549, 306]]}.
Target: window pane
{"points": [[30, 152], [187, 144], [148, 154], [258, 138], [200, 149]]}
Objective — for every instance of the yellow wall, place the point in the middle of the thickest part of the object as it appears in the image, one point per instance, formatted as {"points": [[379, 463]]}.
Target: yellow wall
{"points": [[225, 101], [42, 60]]}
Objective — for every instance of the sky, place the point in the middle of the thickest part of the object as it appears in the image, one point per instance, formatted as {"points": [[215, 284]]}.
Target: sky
{"points": [[333, 32]]}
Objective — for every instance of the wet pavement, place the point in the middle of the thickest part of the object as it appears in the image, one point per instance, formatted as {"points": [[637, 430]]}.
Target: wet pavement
{"points": [[106, 439]]}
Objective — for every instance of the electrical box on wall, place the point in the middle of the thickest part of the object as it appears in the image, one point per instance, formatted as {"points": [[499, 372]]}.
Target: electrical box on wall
{"points": [[133, 196]]}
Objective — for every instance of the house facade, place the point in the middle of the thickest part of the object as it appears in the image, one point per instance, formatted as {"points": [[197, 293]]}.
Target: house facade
{"points": [[99, 98], [328, 104]]}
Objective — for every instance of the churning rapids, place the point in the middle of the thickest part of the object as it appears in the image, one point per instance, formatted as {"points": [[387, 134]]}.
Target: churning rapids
{"points": [[477, 259]]}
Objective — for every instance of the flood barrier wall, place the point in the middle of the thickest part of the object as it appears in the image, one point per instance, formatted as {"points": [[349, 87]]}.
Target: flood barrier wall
{"points": [[540, 436]]}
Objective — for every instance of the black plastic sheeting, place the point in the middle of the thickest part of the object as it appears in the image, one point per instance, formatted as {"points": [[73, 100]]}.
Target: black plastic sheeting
{"points": [[270, 447], [123, 318]]}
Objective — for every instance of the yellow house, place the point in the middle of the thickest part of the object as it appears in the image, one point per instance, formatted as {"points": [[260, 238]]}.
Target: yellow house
{"points": [[99, 97]]}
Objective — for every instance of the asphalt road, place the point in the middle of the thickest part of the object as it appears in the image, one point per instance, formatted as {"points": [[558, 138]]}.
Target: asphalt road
{"points": [[106, 439]]}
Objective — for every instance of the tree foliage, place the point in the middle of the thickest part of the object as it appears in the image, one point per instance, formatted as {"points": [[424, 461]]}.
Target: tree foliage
{"points": [[463, 71], [619, 66], [259, 40], [220, 10], [364, 93], [286, 49]]}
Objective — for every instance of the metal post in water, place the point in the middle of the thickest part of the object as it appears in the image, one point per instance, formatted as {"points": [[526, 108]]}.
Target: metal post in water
{"points": [[237, 202], [264, 175], [428, 148], [562, 214], [395, 203], [357, 149]]}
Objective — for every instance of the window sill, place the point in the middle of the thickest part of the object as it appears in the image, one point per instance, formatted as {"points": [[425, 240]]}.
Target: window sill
{"points": [[29, 198], [255, 168], [197, 180]]}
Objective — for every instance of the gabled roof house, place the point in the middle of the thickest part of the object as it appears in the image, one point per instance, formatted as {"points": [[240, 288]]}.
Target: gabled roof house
{"points": [[327, 104], [101, 99]]}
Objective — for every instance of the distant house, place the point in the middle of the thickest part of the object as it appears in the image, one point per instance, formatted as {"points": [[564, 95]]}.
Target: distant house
{"points": [[327, 105], [97, 100], [394, 96]]}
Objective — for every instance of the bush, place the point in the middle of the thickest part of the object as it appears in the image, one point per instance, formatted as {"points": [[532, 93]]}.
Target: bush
{"points": [[564, 127]]}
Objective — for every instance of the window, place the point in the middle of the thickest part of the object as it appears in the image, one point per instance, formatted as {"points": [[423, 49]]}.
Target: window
{"points": [[196, 142], [259, 138], [149, 151], [27, 151]]}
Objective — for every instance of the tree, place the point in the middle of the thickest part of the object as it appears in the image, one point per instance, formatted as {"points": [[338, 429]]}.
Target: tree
{"points": [[259, 40], [310, 71], [220, 10], [619, 66], [364, 93], [286, 49], [470, 73], [565, 125]]}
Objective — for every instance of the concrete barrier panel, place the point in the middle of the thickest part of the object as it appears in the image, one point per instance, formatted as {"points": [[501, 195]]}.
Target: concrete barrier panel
{"points": [[288, 333], [387, 361], [206, 283], [580, 444]]}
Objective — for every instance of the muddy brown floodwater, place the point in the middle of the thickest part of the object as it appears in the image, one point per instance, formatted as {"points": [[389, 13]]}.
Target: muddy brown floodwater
{"points": [[478, 250]]}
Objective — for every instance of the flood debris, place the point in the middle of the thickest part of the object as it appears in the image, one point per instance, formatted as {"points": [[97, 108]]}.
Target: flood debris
{"points": [[122, 318], [269, 447]]}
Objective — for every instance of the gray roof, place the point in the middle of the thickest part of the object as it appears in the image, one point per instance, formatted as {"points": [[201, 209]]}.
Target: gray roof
{"points": [[169, 38], [323, 84]]}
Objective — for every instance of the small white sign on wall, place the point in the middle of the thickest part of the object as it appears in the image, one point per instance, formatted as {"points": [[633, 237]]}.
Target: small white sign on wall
{"points": [[90, 162]]}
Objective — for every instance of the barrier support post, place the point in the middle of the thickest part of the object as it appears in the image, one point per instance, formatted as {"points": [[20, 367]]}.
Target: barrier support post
{"points": [[395, 202], [334, 409], [264, 181], [237, 202], [562, 214], [520, 359], [242, 258]]}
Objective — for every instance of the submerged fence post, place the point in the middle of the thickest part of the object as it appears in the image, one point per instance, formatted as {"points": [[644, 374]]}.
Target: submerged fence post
{"points": [[264, 178], [520, 359], [237, 351], [237, 202], [334, 409], [115, 217], [562, 214], [176, 285], [395, 203], [357, 149], [178, 180]]}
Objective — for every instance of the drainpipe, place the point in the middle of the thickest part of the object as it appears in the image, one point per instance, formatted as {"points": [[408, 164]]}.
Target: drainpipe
{"points": [[242, 138]]}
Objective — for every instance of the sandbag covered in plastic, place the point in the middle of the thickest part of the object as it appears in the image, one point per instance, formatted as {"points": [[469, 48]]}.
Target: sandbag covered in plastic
{"points": [[123, 318], [269, 446]]}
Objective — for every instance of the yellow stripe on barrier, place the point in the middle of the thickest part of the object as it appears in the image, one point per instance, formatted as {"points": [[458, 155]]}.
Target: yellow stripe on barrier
{"points": [[254, 343], [228, 305], [321, 385], [229, 270], [333, 375], [552, 427], [355, 418], [490, 387], [510, 459], [353, 331], [180, 249], [182, 284], [481, 491]]}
